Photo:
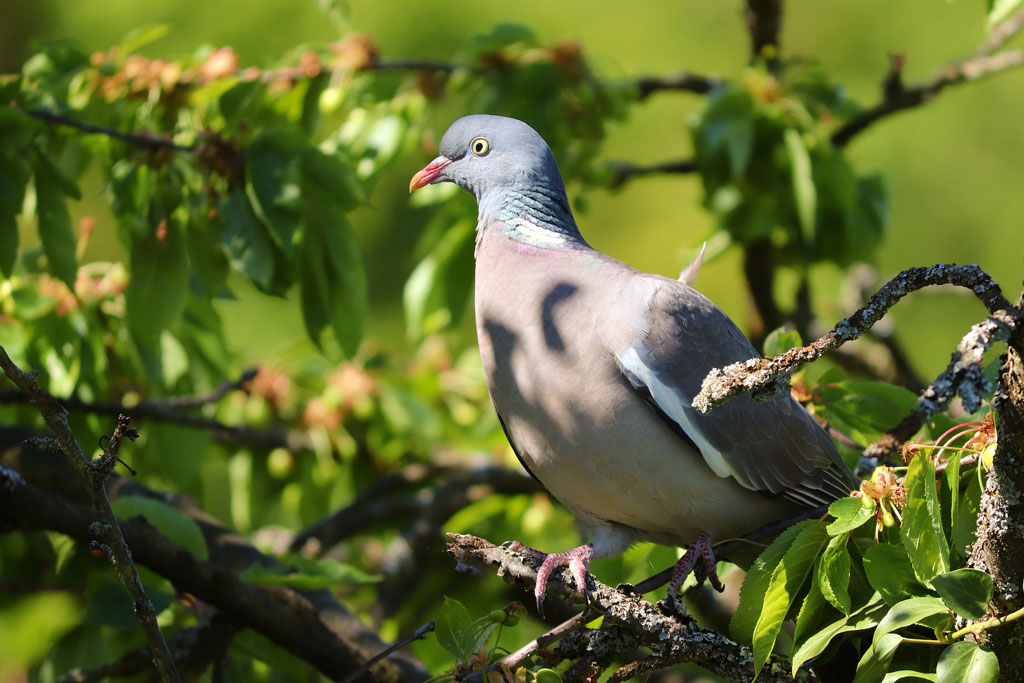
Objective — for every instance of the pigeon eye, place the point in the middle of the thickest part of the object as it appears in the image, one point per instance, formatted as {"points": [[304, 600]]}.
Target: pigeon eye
{"points": [[480, 146]]}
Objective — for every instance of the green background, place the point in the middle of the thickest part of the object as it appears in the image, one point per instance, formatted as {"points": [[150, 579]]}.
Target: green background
{"points": [[953, 166]]}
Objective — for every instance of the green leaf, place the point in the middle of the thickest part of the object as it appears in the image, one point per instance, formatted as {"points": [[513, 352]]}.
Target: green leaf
{"points": [[921, 529], [863, 618], [142, 36], [457, 632], [333, 178], [246, 240], [168, 520], [894, 676], [834, 574], [787, 579], [850, 513], [309, 574], [8, 242], [31, 627], [813, 612], [781, 340], [953, 481], [158, 282], [999, 10], [907, 612], [55, 176], [332, 280], [890, 573], [439, 288], [59, 242], [755, 585], [965, 591], [271, 163], [965, 662], [875, 662], [965, 531], [804, 194], [872, 407]]}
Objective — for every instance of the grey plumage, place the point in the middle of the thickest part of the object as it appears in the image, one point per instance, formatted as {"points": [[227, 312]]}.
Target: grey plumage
{"points": [[592, 365]]}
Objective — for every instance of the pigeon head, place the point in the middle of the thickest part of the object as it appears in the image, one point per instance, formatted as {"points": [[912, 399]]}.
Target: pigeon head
{"points": [[508, 167]]}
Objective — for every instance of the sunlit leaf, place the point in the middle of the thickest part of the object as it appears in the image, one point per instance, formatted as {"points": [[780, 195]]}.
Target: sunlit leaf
{"points": [[787, 578], [965, 662], [863, 618], [965, 591], [889, 572], [850, 513], [907, 612], [781, 340], [834, 574], [875, 661], [804, 194], [921, 529], [756, 584]]}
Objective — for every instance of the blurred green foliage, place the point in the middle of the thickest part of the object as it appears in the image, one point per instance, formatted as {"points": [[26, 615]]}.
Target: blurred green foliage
{"points": [[259, 217]]}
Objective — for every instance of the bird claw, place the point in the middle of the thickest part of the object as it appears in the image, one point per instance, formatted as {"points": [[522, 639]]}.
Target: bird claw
{"points": [[577, 560], [699, 549]]}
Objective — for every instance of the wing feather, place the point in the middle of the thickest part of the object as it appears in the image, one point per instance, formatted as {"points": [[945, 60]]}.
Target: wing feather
{"points": [[774, 446]]}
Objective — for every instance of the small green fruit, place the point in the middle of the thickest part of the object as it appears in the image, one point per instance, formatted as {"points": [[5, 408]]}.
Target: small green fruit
{"points": [[547, 676]]}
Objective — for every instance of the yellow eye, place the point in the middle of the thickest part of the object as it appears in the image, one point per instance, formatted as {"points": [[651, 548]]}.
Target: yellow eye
{"points": [[480, 146]]}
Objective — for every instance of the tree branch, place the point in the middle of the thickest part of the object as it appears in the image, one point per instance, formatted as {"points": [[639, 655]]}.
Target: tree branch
{"points": [[628, 622], [764, 23], [963, 376], [311, 624], [897, 99], [194, 650], [138, 139], [95, 474], [624, 171], [768, 376], [167, 410], [684, 81]]}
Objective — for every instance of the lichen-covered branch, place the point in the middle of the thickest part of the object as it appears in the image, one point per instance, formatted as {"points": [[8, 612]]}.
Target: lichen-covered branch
{"points": [[629, 622], [95, 473], [767, 377], [962, 377]]}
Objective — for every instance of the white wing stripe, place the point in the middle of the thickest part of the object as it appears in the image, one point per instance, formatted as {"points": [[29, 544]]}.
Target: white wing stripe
{"points": [[673, 404]]}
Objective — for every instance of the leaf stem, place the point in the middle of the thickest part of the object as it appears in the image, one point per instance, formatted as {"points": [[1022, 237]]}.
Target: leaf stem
{"points": [[980, 626]]}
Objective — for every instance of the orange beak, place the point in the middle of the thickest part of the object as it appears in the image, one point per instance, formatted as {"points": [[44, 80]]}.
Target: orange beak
{"points": [[429, 173]]}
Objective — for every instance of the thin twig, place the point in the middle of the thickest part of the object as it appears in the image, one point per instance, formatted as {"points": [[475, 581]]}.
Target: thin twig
{"points": [[963, 376], [623, 171], [979, 626], [200, 400], [684, 81], [418, 634], [157, 410], [95, 473], [898, 99], [137, 139]]}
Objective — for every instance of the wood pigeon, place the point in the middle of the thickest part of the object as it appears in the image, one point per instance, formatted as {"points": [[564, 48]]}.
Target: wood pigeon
{"points": [[592, 366]]}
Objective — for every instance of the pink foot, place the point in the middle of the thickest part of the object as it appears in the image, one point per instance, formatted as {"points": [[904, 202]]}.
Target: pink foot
{"points": [[577, 560], [700, 548]]}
